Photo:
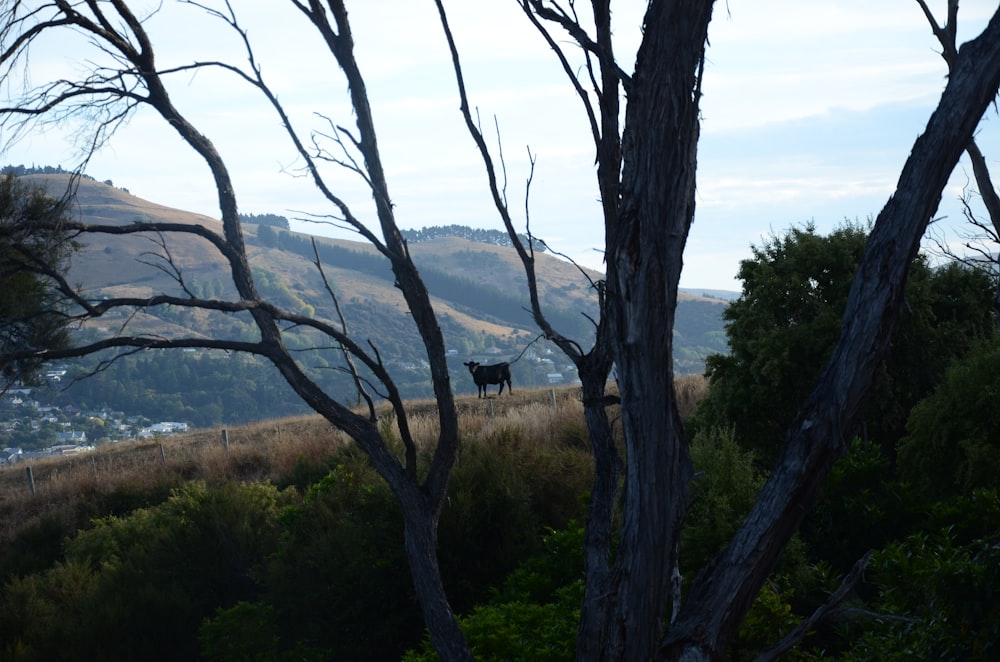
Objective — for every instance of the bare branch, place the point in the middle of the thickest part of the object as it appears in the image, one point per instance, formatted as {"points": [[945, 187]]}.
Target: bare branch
{"points": [[821, 613], [343, 327], [499, 198], [945, 33]]}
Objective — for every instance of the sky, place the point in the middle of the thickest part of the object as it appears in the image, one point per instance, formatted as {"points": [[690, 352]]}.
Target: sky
{"points": [[809, 111]]}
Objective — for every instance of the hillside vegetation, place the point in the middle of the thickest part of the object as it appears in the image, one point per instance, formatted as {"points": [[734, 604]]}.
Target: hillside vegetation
{"points": [[159, 536], [479, 291]]}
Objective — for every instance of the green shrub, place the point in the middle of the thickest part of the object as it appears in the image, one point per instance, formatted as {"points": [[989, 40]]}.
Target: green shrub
{"points": [[723, 492], [534, 615], [938, 598], [862, 506], [138, 587], [39, 613], [34, 548], [952, 442], [341, 561], [488, 524], [246, 632]]}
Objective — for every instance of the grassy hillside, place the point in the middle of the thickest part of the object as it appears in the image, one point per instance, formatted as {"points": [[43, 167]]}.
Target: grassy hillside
{"points": [[479, 291]]}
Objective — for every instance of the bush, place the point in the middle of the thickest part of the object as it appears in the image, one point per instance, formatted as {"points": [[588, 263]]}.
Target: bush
{"points": [[340, 563], [534, 615], [952, 442], [138, 587], [243, 633], [723, 492], [863, 506], [501, 493], [939, 600]]}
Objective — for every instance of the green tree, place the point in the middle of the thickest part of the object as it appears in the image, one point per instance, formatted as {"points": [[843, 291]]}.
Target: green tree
{"points": [[783, 328], [267, 236], [952, 442], [33, 245]]}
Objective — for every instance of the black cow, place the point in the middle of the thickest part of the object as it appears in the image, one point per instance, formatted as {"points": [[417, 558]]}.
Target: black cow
{"points": [[490, 374]]}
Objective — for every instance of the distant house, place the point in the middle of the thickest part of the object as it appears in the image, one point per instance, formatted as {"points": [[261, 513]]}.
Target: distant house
{"points": [[10, 455], [68, 449], [72, 437], [555, 377], [55, 375], [165, 427]]}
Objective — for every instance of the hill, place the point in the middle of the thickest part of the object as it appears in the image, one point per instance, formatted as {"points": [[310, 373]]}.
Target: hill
{"points": [[479, 292]]}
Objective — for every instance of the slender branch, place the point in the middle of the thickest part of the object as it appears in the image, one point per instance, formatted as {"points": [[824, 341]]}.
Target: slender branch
{"points": [[499, 198], [352, 369], [821, 613]]}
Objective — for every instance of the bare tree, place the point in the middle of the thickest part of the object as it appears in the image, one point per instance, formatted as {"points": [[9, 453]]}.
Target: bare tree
{"points": [[646, 167], [109, 95]]}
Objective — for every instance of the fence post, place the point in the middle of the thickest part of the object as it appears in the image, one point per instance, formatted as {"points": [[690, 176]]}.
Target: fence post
{"points": [[31, 480], [93, 465], [552, 392], [163, 455], [225, 441]]}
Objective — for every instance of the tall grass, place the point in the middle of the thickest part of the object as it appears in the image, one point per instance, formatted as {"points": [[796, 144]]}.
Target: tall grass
{"points": [[540, 430], [126, 475]]}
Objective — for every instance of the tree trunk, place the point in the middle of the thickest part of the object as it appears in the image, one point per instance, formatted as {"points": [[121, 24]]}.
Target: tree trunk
{"points": [[720, 597], [992, 202], [420, 536], [645, 249], [600, 512]]}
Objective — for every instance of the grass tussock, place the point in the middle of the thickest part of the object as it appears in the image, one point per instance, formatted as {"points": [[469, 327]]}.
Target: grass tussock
{"points": [[690, 390]]}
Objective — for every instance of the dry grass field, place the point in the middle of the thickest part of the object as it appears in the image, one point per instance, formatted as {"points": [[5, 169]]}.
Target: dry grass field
{"points": [[273, 451]]}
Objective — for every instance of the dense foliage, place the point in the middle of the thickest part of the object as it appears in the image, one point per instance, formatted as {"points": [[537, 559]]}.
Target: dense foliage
{"points": [[952, 444], [920, 484], [783, 327], [30, 236]]}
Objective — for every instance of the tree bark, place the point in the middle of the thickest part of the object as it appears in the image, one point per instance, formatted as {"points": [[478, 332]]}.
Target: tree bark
{"points": [[600, 512], [645, 248], [720, 597], [420, 538], [992, 202]]}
